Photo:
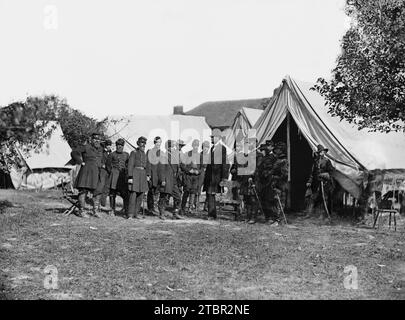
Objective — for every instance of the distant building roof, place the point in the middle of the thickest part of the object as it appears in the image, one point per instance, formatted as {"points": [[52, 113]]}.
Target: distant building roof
{"points": [[220, 114]]}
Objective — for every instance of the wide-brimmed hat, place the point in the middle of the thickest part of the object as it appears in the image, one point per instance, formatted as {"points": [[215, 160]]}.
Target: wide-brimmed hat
{"points": [[321, 148], [263, 146], [181, 143]]}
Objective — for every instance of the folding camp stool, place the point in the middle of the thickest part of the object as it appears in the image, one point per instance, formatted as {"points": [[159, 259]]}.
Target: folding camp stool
{"points": [[72, 197]]}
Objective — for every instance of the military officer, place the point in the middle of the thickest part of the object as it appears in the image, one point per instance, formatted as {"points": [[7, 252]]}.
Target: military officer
{"points": [[90, 157], [137, 178], [191, 168], [321, 178], [102, 189], [279, 182], [263, 178], [153, 158], [117, 163], [204, 160], [242, 173], [168, 171]]}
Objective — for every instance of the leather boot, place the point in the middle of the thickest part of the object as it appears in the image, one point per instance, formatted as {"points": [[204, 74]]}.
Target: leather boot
{"points": [[192, 203], [112, 205], [82, 205], [96, 206]]}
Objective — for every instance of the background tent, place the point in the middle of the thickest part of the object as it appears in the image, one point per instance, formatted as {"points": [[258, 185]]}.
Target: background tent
{"points": [[244, 120], [299, 115], [46, 167], [173, 127], [221, 114]]}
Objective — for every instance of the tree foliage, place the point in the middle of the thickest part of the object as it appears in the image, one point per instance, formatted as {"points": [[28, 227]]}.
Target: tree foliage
{"points": [[26, 125], [76, 126], [367, 86]]}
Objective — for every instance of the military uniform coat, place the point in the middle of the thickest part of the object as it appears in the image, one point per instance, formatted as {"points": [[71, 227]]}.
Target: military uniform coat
{"points": [[319, 169], [191, 162], [117, 167], [153, 159], [239, 176], [137, 171], [216, 170], [168, 171], [89, 173]]}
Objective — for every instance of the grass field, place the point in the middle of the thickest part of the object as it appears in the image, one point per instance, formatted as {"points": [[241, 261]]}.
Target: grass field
{"points": [[112, 258]]}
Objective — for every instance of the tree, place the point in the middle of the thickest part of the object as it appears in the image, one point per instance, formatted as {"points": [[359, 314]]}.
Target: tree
{"points": [[19, 126], [76, 126], [25, 124], [367, 86]]}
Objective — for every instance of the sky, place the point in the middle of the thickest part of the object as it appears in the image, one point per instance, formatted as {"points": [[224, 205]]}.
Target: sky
{"points": [[145, 56]]}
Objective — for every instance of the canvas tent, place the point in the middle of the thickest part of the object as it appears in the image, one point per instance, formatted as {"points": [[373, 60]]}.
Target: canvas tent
{"points": [[244, 120], [44, 168], [298, 115], [173, 127]]}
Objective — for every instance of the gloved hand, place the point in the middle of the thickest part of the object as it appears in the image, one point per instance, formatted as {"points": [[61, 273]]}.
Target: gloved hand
{"points": [[130, 181]]}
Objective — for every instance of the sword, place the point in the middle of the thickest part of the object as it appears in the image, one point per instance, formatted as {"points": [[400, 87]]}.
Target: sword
{"points": [[258, 199], [324, 201], [281, 207]]}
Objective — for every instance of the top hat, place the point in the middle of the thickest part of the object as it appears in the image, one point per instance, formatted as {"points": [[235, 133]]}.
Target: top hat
{"points": [[321, 148]]}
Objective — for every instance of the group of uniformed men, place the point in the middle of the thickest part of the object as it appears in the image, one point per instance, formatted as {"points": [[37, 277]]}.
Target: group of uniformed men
{"points": [[182, 176]]}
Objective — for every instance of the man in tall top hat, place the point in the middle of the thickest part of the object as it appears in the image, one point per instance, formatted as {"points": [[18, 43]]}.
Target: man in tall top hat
{"points": [[117, 163], [153, 158], [90, 157], [216, 171], [168, 172], [137, 178], [321, 179]]}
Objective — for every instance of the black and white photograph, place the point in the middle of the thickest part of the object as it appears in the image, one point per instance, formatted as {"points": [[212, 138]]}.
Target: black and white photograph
{"points": [[222, 153]]}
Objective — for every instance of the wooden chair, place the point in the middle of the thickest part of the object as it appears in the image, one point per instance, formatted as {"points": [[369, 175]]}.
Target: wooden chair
{"points": [[388, 205], [227, 197]]}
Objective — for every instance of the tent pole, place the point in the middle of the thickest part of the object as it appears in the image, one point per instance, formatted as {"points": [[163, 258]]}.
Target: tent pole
{"points": [[289, 161]]}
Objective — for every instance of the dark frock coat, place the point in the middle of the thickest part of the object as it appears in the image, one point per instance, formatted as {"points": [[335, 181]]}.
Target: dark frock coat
{"points": [[191, 161], [117, 167], [137, 171], [153, 159], [89, 173], [216, 170]]}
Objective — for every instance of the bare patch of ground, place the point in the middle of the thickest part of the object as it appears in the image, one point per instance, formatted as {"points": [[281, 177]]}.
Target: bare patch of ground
{"points": [[112, 258]]}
